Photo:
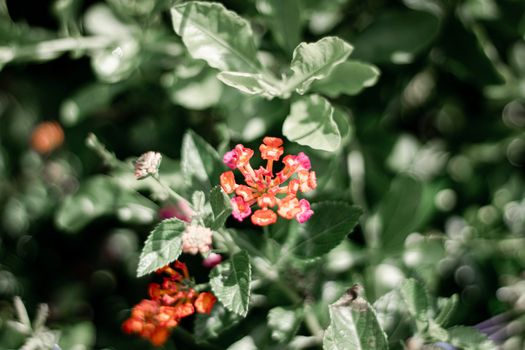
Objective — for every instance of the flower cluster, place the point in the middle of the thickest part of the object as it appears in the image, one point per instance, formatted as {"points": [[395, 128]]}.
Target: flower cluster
{"points": [[263, 187], [169, 302], [196, 239], [147, 164]]}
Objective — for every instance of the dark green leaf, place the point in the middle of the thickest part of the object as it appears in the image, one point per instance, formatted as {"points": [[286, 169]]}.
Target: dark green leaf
{"points": [[220, 206], [163, 246], [230, 282], [211, 326], [200, 162], [311, 123], [396, 36], [353, 325], [218, 36], [284, 19], [330, 224], [348, 78]]}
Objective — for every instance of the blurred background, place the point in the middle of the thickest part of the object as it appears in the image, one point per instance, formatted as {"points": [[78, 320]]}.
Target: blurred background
{"points": [[448, 108]]}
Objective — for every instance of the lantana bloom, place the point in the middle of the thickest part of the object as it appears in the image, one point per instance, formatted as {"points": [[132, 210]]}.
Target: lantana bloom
{"points": [[264, 188], [196, 239], [170, 301], [147, 164]]}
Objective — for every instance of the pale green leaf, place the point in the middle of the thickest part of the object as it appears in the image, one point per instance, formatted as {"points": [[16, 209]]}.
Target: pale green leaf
{"points": [[447, 309], [348, 78], [249, 83], [163, 246], [200, 163], [284, 323], [416, 299], [468, 338], [218, 36], [311, 123], [230, 282], [315, 61], [353, 325], [328, 226], [198, 92], [393, 316], [102, 195], [211, 326]]}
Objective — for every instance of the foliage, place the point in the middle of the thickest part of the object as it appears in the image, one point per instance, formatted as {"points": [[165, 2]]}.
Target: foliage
{"points": [[410, 113]]}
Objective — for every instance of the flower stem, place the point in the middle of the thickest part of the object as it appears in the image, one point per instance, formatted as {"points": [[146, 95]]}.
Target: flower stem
{"points": [[171, 192]]}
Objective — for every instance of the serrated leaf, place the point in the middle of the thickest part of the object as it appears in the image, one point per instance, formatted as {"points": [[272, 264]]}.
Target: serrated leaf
{"points": [[315, 61], [396, 36], [163, 246], [200, 163], [284, 323], [220, 206], [249, 83], [416, 299], [329, 225], [348, 78], [311, 123], [102, 195], [230, 282], [468, 338], [353, 325], [211, 326], [218, 36]]}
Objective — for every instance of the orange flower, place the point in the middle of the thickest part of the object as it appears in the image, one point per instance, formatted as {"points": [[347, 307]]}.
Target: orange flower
{"points": [[262, 186], [47, 137], [204, 302], [171, 301]]}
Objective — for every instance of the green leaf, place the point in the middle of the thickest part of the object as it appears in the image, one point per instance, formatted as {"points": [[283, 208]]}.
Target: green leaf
{"points": [[468, 338], [230, 282], [448, 307], [218, 36], [197, 92], [163, 246], [416, 299], [315, 61], [330, 224], [211, 326], [284, 323], [396, 36], [102, 195], [200, 162], [249, 83], [399, 212], [393, 316], [348, 78], [353, 325], [465, 57], [220, 206], [284, 20], [311, 123]]}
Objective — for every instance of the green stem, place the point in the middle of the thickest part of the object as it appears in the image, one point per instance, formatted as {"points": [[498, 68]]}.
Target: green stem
{"points": [[311, 321], [171, 192]]}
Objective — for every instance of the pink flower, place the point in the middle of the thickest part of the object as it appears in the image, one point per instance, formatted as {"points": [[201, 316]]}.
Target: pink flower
{"points": [[304, 161], [212, 260], [181, 211], [240, 208], [230, 159], [305, 213]]}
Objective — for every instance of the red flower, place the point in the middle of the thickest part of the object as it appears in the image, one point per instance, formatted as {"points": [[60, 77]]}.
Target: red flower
{"points": [[263, 187], [171, 301]]}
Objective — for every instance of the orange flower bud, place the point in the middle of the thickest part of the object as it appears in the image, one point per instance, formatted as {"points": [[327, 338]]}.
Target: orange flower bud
{"points": [[47, 137], [289, 207], [266, 200], [228, 182], [264, 217], [204, 302]]}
